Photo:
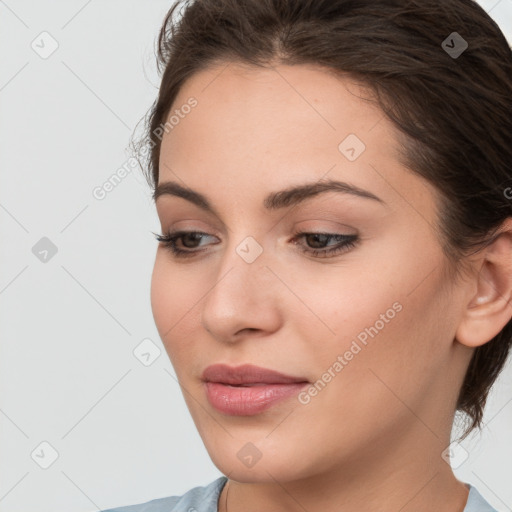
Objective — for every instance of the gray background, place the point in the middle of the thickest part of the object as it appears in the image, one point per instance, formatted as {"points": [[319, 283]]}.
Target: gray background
{"points": [[69, 325]]}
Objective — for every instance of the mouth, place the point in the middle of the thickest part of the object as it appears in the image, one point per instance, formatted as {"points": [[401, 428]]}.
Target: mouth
{"points": [[247, 375], [252, 384], [248, 390]]}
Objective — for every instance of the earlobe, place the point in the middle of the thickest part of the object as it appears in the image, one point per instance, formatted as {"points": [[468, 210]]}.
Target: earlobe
{"points": [[490, 307]]}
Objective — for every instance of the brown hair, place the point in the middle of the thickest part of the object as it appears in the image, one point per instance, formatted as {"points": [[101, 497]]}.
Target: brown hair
{"points": [[453, 112]]}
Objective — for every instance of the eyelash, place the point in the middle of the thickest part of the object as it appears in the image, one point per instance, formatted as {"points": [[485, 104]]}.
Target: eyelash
{"points": [[347, 242]]}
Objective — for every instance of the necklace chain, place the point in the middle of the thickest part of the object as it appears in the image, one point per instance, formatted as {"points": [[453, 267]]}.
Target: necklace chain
{"points": [[227, 490]]}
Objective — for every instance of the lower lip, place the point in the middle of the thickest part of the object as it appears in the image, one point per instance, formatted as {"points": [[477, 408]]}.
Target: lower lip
{"points": [[247, 401]]}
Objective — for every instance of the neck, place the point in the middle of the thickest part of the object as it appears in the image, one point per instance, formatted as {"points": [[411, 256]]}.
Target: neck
{"points": [[404, 477]]}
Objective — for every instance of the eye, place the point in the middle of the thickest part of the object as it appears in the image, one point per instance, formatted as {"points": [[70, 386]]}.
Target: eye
{"points": [[345, 243], [190, 238]]}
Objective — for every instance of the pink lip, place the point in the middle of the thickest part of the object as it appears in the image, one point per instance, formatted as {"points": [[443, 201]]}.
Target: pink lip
{"points": [[247, 390], [247, 374]]}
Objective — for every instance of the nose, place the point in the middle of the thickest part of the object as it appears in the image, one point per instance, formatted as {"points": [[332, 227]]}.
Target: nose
{"points": [[245, 296]]}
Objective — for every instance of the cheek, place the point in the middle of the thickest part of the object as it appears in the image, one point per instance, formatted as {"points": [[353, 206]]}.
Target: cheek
{"points": [[385, 313], [355, 316], [388, 348], [178, 292], [175, 302], [162, 301]]}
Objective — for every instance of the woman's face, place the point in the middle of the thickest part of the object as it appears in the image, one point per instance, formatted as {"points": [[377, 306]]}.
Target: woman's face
{"points": [[371, 327]]}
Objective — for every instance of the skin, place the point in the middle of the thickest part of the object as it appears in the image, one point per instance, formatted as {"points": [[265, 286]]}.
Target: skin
{"points": [[372, 439]]}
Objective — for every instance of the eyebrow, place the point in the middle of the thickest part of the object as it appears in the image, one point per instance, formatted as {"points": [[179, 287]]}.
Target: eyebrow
{"points": [[274, 201]]}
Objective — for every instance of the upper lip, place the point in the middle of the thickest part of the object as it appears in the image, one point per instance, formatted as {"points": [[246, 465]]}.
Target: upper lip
{"points": [[246, 374]]}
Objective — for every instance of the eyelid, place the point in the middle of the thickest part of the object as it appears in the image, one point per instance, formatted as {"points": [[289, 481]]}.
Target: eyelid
{"points": [[315, 205], [325, 226], [192, 224], [321, 226]]}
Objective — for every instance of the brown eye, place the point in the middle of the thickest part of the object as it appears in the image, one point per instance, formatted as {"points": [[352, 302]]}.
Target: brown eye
{"points": [[318, 242], [189, 240]]}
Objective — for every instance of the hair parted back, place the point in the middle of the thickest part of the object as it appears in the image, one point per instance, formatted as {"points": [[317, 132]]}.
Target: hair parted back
{"points": [[453, 115]]}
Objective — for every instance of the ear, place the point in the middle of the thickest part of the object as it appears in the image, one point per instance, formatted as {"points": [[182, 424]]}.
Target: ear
{"points": [[490, 308]]}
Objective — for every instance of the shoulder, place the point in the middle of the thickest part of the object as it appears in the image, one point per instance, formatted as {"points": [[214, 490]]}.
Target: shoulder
{"points": [[476, 502], [199, 499]]}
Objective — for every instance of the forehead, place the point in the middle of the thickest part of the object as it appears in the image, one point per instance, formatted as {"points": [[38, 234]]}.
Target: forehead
{"points": [[244, 98], [256, 130]]}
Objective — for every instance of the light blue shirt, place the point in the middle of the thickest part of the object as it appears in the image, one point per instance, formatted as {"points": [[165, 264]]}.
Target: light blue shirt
{"points": [[205, 499]]}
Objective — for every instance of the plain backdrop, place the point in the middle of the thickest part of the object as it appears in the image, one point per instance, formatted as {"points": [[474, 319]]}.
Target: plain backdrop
{"points": [[84, 423]]}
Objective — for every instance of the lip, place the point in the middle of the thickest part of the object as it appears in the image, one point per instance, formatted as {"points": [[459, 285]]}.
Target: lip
{"points": [[247, 374], [248, 390]]}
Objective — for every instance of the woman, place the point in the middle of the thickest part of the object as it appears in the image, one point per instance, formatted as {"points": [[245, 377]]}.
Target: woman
{"points": [[333, 277]]}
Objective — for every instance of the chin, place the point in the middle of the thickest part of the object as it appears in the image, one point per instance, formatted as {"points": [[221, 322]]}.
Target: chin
{"points": [[263, 461]]}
